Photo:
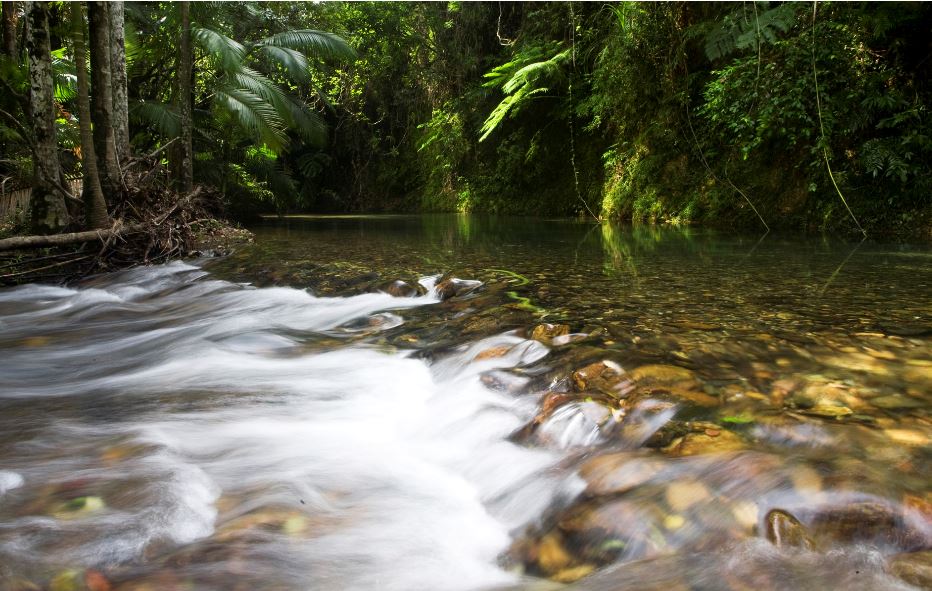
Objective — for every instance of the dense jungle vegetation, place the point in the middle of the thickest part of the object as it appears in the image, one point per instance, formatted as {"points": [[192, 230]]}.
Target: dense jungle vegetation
{"points": [[801, 116]]}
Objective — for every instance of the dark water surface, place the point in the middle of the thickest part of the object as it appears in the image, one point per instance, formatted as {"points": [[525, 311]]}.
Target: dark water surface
{"points": [[588, 407]]}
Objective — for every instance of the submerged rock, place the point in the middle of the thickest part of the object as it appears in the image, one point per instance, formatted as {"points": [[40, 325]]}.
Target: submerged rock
{"points": [[664, 374], [448, 287], [855, 523], [785, 531], [545, 333], [618, 473], [913, 567], [603, 376], [403, 289], [711, 439]]}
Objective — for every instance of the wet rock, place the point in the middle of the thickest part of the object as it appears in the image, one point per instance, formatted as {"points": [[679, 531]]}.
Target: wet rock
{"points": [[403, 289], [683, 494], [79, 507], [493, 352], [710, 440], [828, 411], [867, 522], [448, 287], [549, 555], [669, 375], [914, 567], [545, 333], [573, 574], [896, 402], [785, 531], [618, 472], [602, 531], [95, 580], [603, 376], [67, 580], [674, 394], [907, 437]]}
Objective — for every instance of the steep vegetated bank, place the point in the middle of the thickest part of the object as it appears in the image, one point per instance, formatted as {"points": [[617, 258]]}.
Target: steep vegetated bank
{"points": [[662, 112], [794, 116]]}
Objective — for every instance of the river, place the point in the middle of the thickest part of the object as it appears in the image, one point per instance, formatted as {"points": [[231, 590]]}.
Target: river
{"points": [[471, 403]]}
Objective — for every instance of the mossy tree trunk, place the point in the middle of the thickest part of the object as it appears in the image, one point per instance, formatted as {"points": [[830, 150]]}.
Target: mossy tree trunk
{"points": [[184, 160], [118, 72], [49, 213]]}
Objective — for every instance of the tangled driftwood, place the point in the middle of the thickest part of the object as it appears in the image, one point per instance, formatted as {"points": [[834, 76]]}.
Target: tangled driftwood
{"points": [[152, 223]]}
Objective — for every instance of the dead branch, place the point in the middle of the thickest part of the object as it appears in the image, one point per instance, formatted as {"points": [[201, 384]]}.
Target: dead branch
{"points": [[20, 242]]}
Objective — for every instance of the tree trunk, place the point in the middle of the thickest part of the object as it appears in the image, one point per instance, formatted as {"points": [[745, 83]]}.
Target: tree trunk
{"points": [[102, 98], [95, 207], [118, 71], [184, 172], [49, 213], [9, 28]]}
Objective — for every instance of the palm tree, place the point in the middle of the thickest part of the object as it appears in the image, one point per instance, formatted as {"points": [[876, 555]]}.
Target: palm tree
{"points": [[249, 85], [95, 206]]}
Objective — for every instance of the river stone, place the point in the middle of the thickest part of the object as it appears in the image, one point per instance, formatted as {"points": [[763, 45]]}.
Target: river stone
{"points": [[913, 567], [573, 574], [907, 437], [828, 411], [402, 289], [545, 333], [549, 555], [493, 352], [677, 395], [449, 287], [664, 374], [708, 441], [785, 531], [604, 376], [66, 580], [867, 522], [896, 402], [96, 581], [683, 494], [618, 472]]}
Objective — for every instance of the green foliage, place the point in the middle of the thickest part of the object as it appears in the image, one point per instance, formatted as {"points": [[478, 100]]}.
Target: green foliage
{"points": [[740, 31], [521, 79]]}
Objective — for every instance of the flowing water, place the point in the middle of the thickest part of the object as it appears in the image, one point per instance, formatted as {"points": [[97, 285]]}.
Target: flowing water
{"points": [[587, 407]]}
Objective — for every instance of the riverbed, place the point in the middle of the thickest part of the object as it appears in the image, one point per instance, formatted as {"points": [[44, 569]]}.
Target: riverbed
{"points": [[474, 403]]}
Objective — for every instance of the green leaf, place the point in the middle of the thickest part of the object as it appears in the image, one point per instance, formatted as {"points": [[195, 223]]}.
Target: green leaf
{"points": [[319, 43]]}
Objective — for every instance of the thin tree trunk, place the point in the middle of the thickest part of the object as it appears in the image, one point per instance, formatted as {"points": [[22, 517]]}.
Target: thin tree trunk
{"points": [[49, 213], [118, 71], [9, 28], [95, 207], [102, 98], [185, 168]]}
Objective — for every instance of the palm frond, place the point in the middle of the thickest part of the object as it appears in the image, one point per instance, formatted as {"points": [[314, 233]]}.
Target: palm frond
{"points": [[229, 52], [159, 116], [319, 43], [293, 61], [303, 120], [254, 114]]}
